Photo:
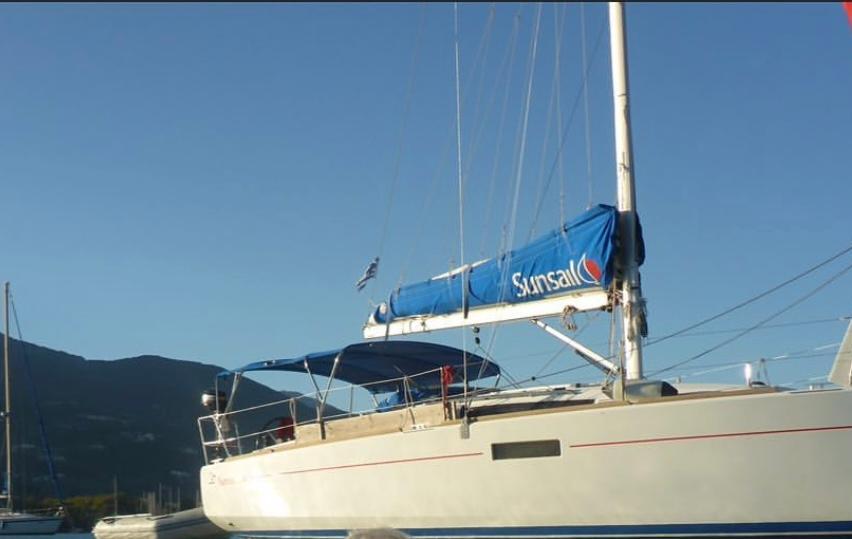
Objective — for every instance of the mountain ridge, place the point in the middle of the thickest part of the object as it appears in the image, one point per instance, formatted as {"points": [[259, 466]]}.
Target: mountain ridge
{"points": [[132, 420]]}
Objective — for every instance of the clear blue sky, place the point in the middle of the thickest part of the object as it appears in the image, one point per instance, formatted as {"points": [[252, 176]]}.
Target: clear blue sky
{"points": [[207, 182]]}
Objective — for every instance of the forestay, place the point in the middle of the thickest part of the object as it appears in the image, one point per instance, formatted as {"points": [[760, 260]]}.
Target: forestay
{"points": [[571, 266]]}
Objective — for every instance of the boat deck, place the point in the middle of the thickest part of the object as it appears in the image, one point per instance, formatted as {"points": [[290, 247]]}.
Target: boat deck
{"points": [[483, 408]]}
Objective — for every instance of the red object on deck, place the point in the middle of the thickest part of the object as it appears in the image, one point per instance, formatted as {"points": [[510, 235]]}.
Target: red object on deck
{"points": [[848, 7], [286, 430], [448, 373]]}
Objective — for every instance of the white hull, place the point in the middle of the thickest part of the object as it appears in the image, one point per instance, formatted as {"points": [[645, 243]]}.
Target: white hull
{"points": [[191, 524], [756, 464], [25, 524]]}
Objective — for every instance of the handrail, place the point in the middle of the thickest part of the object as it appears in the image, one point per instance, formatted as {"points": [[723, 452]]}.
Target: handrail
{"points": [[219, 433]]}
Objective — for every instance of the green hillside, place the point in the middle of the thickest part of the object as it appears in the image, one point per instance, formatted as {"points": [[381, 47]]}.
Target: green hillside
{"points": [[133, 418]]}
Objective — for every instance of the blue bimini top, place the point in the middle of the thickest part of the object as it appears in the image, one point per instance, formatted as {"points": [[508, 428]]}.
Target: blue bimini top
{"points": [[369, 364]]}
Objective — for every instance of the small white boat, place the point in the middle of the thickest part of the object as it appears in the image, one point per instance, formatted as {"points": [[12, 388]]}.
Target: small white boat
{"points": [[15, 523], [190, 524]]}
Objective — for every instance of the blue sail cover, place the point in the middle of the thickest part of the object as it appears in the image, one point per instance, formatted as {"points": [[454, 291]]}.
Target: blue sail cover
{"points": [[578, 256]]}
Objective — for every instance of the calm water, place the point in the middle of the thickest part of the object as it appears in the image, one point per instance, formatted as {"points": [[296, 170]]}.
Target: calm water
{"points": [[64, 536], [56, 536]]}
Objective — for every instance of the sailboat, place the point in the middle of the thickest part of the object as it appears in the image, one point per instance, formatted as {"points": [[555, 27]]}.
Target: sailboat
{"points": [[14, 522], [630, 457]]}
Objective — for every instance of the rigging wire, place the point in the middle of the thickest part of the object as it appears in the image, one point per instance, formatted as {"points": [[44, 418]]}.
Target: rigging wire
{"points": [[746, 331], [523, 140], [525, 356], [554, 95], [436, 176], [519, 163], [752, 299], [51, 468], [510, 56], [725, 366], [586, 104], [559, 24], [767, 326], [503, 371], [722, 367], [479, 115], [564, 348], [553, 357], [567, 127], [808, 353], [463, 279], [402, 130], [763, 324], [555, 373]]}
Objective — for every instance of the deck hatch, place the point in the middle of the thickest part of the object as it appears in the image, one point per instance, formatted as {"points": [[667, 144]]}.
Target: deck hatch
{"points": [[526, 450]]}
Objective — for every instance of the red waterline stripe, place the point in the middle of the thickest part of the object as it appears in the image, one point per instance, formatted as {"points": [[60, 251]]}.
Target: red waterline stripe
{"points": [[709, 436], [382, 463]]}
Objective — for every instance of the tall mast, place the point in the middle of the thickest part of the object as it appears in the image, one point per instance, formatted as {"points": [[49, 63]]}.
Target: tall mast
{"points": [[6, 417], [632, 304]]}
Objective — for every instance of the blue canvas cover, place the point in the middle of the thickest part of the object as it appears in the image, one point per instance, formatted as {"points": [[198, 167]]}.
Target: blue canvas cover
{"points": [[375, 365], [398, 398], [577, 256]]}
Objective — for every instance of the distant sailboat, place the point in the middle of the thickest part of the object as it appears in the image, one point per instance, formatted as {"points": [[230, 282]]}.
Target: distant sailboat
{"points": [[14, 522]]}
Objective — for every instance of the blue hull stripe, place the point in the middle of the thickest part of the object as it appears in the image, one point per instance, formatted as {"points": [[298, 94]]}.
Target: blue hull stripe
{"points": [[746, 529]]}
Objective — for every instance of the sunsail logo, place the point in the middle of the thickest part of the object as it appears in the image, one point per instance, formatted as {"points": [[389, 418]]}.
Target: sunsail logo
{"points": [[584, 272]]}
